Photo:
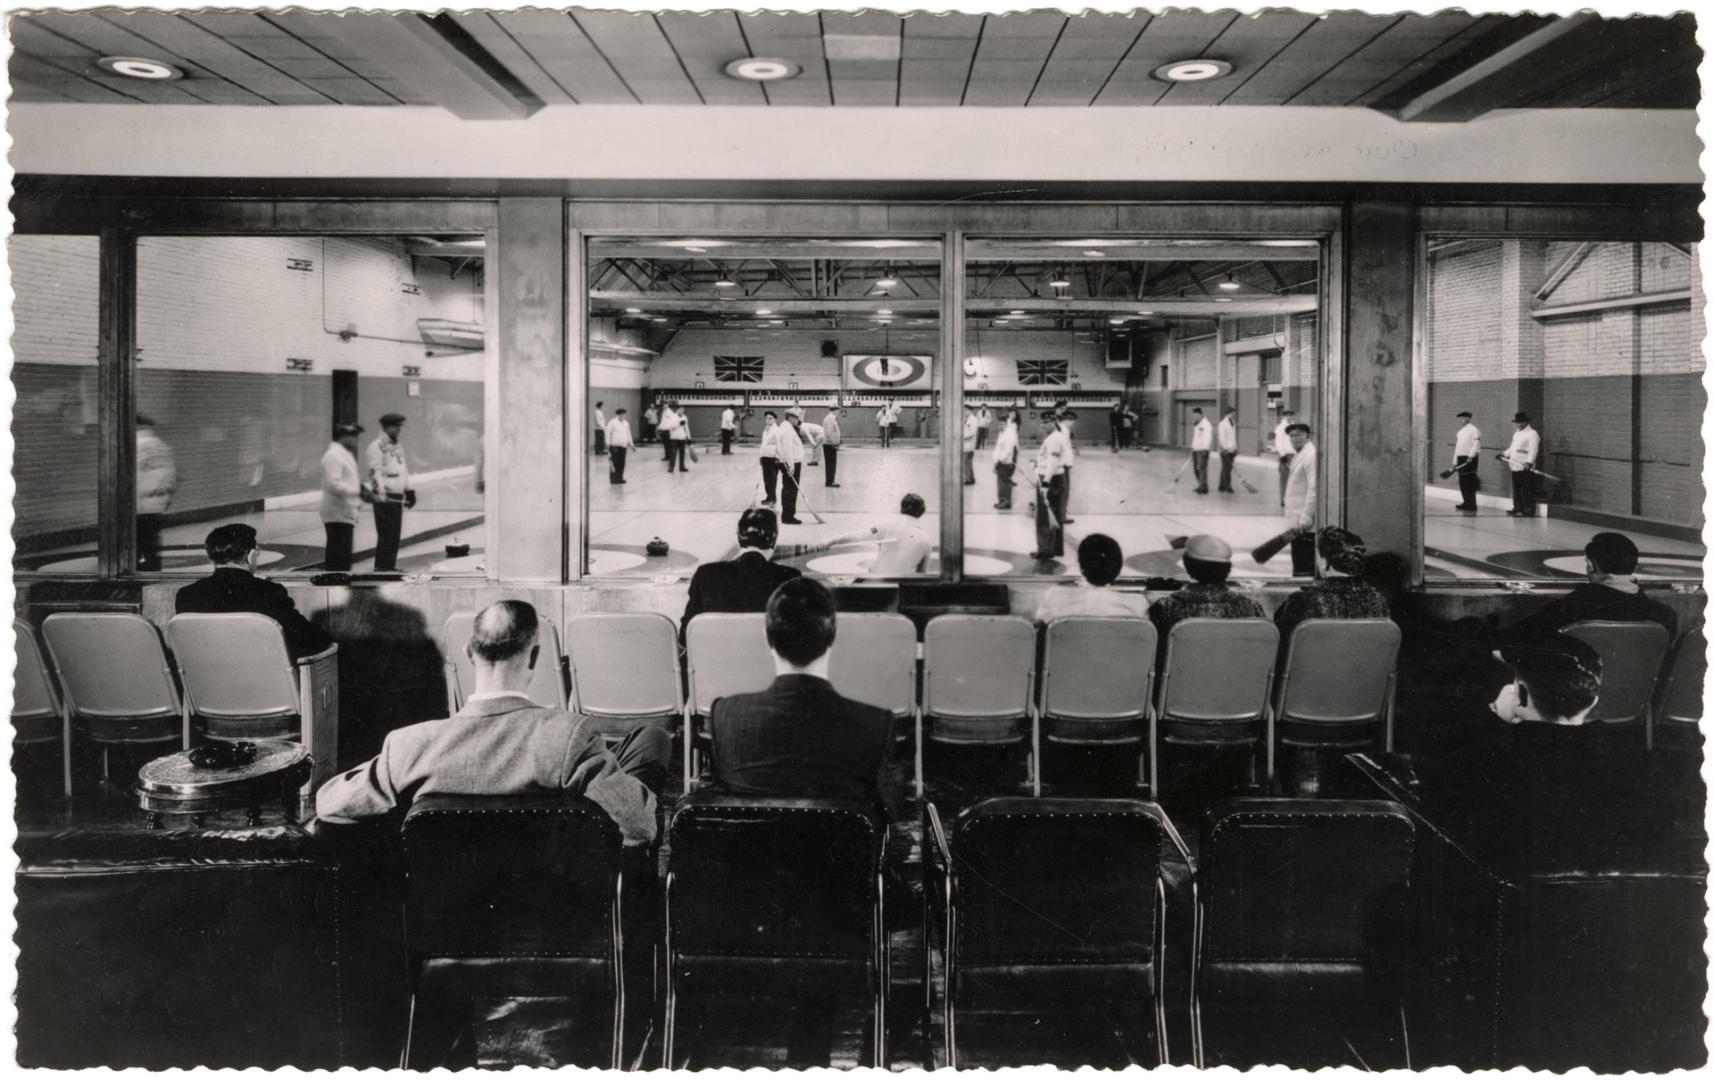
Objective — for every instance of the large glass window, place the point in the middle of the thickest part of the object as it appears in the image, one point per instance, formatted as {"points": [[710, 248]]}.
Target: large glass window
{"points": [[698, 347], [56, 420], [1182, 362], [252, 350], [1580, 360]]}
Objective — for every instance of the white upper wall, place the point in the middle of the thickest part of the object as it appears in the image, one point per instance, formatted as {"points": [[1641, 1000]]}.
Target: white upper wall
{"points": [[596, 142]]}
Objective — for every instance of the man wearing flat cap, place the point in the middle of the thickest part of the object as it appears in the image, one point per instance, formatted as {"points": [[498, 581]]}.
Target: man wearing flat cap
{"points": [[1521, 458], [390, 483], [1299, 506], [342, 490], [1464, 458]]}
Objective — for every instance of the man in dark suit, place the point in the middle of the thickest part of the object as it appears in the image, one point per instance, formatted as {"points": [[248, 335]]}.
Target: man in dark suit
{"points": [[746, 582], [799, 737], [1611, 594], [234, 586]]}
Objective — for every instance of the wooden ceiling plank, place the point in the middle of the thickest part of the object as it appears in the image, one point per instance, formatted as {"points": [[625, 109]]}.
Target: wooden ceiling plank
{"points": [[207, 50], [1473, 91], [866, 23], [46, 36], [415, 53], [934, 48], [1046, 24], [952, 24], [505, 48], [23, 90], [72, 85], [624, 34], [1431, 57], [1608, 59]]}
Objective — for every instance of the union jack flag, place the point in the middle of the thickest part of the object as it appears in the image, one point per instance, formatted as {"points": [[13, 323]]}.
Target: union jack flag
{"points": [[1043, 372], [738, 369]]}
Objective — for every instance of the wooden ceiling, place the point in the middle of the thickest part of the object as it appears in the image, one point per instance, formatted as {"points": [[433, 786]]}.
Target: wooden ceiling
{"points": [[497, 64]]}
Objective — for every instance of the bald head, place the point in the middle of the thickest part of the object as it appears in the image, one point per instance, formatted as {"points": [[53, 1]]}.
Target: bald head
{"points": [[504, 633]]}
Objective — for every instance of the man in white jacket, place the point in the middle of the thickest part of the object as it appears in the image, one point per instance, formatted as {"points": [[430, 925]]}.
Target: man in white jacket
{"points": [[341, 494], [1201, 442], [1521, 457], [1300, 500]]}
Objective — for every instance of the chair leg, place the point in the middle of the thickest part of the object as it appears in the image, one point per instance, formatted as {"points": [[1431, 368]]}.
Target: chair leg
{"points": [[65, 752], [1196, 1054], [670, 1029], [1404, 1032], [919, 779], [410, 1030], [1035, 753], [883, 961]]}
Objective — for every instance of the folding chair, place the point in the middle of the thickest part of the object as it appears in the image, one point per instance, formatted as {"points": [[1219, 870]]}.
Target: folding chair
{"points": [[1302, 904], [624, 670], [118, 685], [786, 891], [1681, 701], [1337, 684], [509, 896], [1632, 654], [38, 715], [241, 683], [874, 660], [979, 684], [1214, 688], [724, 653], [1058, 902], [547, 683], [1097, 675]]}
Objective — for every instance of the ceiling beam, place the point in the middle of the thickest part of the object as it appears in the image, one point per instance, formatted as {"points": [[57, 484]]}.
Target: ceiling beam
{"points": [[411, 50], [1490, 83], [1182, 306]]}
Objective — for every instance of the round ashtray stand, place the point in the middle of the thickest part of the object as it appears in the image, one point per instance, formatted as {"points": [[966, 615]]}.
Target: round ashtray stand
{"points": [[172, 785]]}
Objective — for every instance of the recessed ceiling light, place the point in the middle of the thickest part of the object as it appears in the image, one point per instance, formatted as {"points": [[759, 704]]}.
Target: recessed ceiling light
{"points": [[724, 284], [1192, 70], [762, 69], [633, 311], [138, 67]]}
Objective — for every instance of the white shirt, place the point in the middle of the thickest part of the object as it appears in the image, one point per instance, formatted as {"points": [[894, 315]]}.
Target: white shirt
{"points": [[814, 434], [600, 419], [830, 429], [1282, 441], [1202, 436], [1086, 599], [1469, 441], [675, 425], [728, 422], [619, 433], [771, 441], [1050, 459], [1300, 489], [388, 474], [1006, 445], [788, 445], [971, 427], [1228, 436], [157, 474], [1525, 445], [905, 548], [984, 418], [340, 484]]}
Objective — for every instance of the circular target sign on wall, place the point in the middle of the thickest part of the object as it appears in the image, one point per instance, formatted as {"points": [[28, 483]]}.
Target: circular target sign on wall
{"points": [[888, 372]]}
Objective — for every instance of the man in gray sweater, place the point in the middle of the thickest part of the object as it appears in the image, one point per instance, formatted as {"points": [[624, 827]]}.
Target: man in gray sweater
{"points": [[502, 743]]}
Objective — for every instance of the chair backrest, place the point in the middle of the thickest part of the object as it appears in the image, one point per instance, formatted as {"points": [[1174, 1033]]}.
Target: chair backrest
{"points": [[978, 665], [1218, 669], [874, 660], [1689, 673], [511, 876], [110, 664], [1097, 667], [1631, 657], [34, 696], [1285, 881], [1045, 880], [1339, 670], [234, 665], [804, 873], [624, 663], [547, 682], [726, 653]]}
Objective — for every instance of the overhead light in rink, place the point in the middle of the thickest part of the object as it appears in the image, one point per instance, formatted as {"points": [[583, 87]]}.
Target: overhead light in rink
{"points": [[884, 311], [1117, 322], [1060, 283], [887, 282], [764, 311], [725, 284], [1229, 285], [1197, 70], [1222, 299], [762, 69], [1092, 253], [633, 311], [698, 250], [1001, 322], [138, 67]]}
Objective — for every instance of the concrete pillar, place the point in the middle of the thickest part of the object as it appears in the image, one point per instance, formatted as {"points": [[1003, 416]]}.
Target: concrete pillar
{"points": [[1380, 499], [529, 446]]}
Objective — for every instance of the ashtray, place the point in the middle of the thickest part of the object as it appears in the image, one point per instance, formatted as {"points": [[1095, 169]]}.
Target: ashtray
{"points": [[457, 551], [223, 755]]}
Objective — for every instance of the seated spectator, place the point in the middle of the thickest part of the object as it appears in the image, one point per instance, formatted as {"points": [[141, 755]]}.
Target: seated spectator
{"points": [[1341, 593], [799, 737], [502, 743], [1611, 593], [745, 582], [234, 586], [1555, 680], [1208, 561], [1101, 560]]}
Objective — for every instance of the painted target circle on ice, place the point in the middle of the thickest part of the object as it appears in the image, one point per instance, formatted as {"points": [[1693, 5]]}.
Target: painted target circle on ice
{"points": [[888, 371]]}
